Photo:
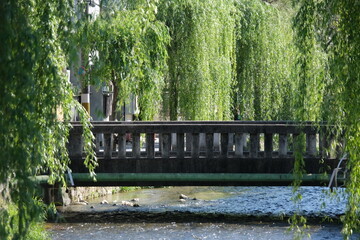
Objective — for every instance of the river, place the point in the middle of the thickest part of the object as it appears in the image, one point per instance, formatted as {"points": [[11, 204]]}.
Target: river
{"points": [[208, 213]]}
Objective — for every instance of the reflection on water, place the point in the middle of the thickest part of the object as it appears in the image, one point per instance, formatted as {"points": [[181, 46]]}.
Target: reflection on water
{"points": [[149, 221]]}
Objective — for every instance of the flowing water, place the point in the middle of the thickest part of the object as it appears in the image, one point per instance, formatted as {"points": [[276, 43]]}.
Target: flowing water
{"points": [[111, 231], [208, 213]]}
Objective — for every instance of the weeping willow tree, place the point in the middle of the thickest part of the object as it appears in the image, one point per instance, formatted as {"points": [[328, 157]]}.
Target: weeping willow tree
{"points": [[128, 49], [336, 26], [201, 51], [344, 23], [312, 62], [35, 103], [215, 45], [321, 76], [265, 69]]}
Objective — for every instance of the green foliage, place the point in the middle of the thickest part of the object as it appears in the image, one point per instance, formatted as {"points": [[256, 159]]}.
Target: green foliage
{"points": [[34, 98], [36, 229], [298, 226], [313, 76], [344, 22], [198, 85], [311, 61], [88, 138], [310, 85], [265, 70], [202, 59], [334, 24], [128, 48], [111, 6]]}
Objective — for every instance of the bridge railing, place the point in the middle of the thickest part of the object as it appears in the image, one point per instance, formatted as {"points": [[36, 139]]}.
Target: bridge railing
{"points": [[234, 146]]}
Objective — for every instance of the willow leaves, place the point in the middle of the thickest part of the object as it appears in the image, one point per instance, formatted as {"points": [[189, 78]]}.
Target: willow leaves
{"points": [[198, 84]]}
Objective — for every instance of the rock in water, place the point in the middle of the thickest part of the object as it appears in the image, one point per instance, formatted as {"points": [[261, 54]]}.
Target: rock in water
{"points": [[79, 203], [127, 203], [83, 201], [183, 196]]}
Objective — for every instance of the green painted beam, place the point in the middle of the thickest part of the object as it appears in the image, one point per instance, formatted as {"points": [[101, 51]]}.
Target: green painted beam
{"points": [[197, 177]]}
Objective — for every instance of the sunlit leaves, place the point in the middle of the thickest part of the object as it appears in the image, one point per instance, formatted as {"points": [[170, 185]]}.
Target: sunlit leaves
{"points": [[265, 72], [35, 98], [334, 24], [131, 46], [198, 85], [345, 69]]}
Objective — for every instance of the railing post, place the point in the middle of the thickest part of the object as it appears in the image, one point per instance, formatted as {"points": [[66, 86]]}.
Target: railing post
{"points": [[216, 141], [231, 142], [180, 145], [188, 141], [209, 145], [283, 145], [121, 145], [150, 151], [239, 144], [165, 145], [173, 141], [311, 144], [108, 145], [195, 146], [75, 145], [254, 145], [224, 144], [136, 145], [202, 143], [99, 137], [268, 145]]}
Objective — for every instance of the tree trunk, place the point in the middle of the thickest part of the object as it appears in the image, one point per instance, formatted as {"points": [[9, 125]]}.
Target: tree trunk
{"points": [[114, 99]]}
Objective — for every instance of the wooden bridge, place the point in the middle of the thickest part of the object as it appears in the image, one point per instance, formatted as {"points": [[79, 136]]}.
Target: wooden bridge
{"points": [[201, 153]]}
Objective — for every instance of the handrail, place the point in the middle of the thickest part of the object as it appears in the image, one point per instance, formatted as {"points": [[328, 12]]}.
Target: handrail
{"points": [[201, 126], [236, 134]]}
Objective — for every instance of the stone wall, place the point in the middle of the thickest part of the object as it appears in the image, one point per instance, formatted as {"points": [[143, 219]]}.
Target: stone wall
{"points": [[74, 195]]}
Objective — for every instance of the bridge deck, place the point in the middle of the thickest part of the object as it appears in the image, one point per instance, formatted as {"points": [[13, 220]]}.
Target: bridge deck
{"points": [[202, 153]]}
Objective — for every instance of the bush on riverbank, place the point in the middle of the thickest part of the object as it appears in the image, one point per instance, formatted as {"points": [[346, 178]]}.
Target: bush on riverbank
{"points": [[36, 230]]}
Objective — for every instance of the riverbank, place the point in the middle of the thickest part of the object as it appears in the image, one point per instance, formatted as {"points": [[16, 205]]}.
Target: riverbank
{"points": [[145, 216], [79, 195], [206, 213], [209, 204]]}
